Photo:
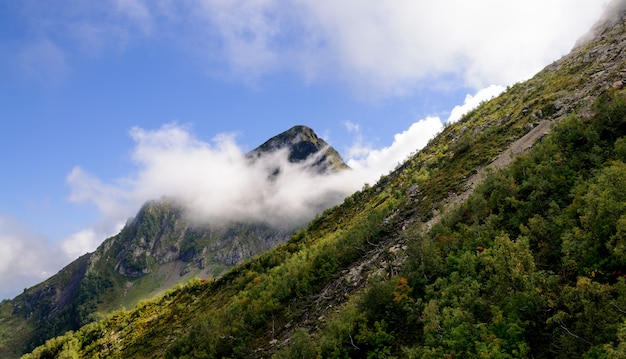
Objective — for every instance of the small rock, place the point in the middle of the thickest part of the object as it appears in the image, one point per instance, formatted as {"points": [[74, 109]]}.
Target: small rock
{"points": [[618, 84], [528, 127], [558, 105]]}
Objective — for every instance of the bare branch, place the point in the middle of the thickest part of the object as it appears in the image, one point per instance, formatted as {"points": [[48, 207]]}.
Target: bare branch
{"points": [[560, 323], [618, 308], [352, 342]]}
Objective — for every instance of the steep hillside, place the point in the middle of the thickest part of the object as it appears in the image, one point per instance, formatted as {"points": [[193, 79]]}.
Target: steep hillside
{"points": [[157, 249], [504, 237]]}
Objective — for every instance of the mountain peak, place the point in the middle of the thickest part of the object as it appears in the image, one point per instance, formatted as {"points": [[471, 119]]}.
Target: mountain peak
{"points": [[302, 143]]}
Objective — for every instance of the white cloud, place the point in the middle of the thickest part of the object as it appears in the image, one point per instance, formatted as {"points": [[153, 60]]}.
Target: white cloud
{"points": [[215, 180], [29, 258], [79, 243], [351, 126], [246, 33], [377, 48], [377, 162], [472, 102], [394, 47], [26, 258]]}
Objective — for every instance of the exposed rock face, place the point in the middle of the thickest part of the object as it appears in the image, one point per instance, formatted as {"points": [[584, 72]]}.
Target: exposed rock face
{"points": [[160, 234], [302, 144]]}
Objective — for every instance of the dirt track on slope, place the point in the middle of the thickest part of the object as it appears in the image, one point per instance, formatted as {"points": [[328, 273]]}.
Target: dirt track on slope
{"points": [[517, 148], [388, 255]]}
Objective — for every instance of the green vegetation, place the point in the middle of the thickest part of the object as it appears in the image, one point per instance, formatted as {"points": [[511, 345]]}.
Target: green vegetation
{"points": [[530, 265]]}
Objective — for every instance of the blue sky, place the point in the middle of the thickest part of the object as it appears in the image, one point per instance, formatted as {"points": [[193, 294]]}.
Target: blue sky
{"points": [[92, 93]]}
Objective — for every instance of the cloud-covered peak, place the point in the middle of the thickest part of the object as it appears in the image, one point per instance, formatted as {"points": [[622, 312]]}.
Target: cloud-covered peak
{"points": [[301, 144], [216, 181]]}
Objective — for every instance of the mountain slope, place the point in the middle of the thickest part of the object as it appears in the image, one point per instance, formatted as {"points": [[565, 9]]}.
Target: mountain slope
{"points": [[499, 239], [157, 249]]}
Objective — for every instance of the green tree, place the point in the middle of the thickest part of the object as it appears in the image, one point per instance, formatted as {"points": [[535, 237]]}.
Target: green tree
{"points": [[599, 212], [300, 346]]}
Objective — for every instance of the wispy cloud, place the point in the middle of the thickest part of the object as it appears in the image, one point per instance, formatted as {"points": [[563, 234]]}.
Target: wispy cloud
{"points": [[351, 126], [26, 258], [215, 181], [373, 162], [472, 101], [376, 48], [42, 61]]}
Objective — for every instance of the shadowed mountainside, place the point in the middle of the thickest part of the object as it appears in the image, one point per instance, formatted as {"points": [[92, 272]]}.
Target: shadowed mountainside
{"points": [[157, 249]]}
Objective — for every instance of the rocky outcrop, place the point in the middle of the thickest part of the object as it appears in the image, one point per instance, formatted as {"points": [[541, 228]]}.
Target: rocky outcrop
{"points": [[302, 145], [160, 234]]}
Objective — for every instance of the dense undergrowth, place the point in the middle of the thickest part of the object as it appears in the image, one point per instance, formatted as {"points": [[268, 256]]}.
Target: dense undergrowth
{"points": [[531, 265]]}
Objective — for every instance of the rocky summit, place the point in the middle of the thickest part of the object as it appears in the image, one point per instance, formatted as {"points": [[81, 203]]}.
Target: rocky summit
{"points": [[302, 145]]}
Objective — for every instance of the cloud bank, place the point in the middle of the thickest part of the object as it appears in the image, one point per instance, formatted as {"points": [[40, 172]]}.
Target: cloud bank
{"points": [[26, 258], [376, 48], [214, 180]]}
